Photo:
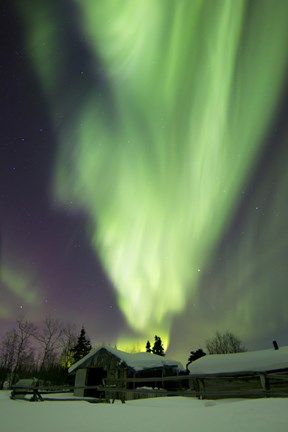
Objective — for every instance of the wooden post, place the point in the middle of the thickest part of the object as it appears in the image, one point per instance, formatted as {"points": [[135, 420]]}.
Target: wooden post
{"points": [[265, 384]]}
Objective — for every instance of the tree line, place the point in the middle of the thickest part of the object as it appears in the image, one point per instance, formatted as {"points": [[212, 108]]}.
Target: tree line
{"points": [[220, 343], [48, 351]]}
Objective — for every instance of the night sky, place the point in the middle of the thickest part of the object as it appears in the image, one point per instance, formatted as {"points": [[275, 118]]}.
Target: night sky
{"points": [[143, 169]]}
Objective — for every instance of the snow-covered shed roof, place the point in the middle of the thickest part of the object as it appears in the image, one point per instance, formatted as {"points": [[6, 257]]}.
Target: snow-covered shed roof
{"points": [[137, 361], [253, 361]]}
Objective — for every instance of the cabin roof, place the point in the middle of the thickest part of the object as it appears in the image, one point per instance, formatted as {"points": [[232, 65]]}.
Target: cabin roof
{"points": [[137, 361], [253, 361]]}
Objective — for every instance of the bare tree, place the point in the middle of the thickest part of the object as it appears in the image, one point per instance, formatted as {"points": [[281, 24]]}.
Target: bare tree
{"points": [[8, 349], [68, 341], [25, 331], [49, 338], [224, 343], [16, 351]]}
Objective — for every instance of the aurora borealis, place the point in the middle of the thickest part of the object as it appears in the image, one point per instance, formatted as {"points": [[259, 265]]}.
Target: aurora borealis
{"points": [[162, 136]]}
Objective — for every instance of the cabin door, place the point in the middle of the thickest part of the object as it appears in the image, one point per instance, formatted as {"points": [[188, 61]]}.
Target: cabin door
{"points": [[94, 378]]}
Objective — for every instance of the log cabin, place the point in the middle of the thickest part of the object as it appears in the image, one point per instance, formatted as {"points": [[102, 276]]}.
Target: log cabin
{"points": [[255, 373], [105, 366]]}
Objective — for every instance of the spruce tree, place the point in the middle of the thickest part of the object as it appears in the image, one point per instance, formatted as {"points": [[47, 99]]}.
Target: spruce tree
{"points": [[148, 347], [158, 347], [83, 346]]}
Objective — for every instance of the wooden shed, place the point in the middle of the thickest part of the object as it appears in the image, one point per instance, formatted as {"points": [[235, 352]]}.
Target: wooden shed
{"points": [[254, 373], [107, 364]]}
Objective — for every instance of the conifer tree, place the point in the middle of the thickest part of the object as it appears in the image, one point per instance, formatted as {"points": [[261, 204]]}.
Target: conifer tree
{"points": [[148, 347], [83, 346], [158, 348], [195, 355]]}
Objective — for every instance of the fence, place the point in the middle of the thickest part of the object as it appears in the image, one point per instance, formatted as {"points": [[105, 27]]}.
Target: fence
{"points": [[251, 384], [246, 385]]}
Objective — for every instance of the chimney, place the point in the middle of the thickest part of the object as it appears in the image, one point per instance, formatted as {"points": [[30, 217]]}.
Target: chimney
{"points": [[275, 345]]}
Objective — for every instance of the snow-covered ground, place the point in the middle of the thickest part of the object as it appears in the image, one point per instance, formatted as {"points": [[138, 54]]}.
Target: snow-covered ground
{"points": [[177, 414]]}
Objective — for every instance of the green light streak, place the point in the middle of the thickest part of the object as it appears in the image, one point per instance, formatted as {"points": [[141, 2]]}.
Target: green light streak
{"points": [[194, 89], [252, 274], [17, 284]]}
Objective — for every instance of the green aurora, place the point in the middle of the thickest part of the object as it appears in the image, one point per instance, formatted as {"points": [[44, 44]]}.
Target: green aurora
{"points": [[158, 155]]}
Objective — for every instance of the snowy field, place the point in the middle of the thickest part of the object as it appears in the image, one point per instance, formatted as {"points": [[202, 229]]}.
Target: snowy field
{"points": [[177, 414]]}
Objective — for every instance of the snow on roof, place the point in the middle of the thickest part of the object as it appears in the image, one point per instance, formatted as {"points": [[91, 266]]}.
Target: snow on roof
{"points": [[137, 361], [254, 361]]}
